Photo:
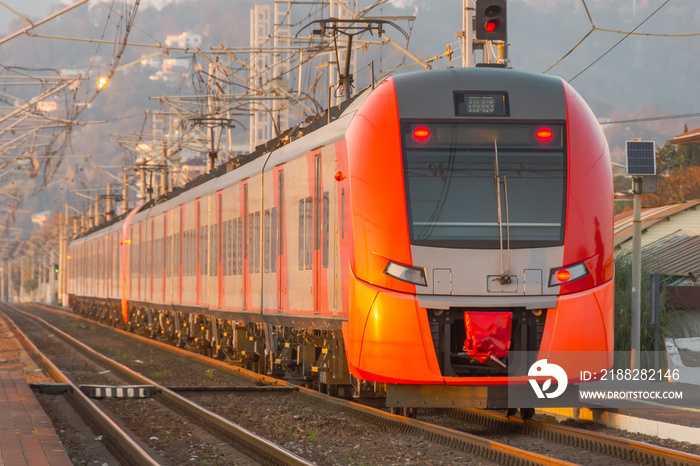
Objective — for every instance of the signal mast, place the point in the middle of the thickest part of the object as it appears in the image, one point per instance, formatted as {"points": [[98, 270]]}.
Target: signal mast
{"points": [[484, 30]]}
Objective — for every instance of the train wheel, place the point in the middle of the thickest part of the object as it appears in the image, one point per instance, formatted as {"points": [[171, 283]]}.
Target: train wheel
{"points": [[526, 413], [405, 412], [511, 412]]}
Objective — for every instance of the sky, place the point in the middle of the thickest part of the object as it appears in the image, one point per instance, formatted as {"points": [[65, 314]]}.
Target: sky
{"points": [[612, 78]]}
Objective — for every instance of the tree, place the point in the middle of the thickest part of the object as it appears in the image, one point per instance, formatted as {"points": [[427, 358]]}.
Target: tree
{"points": [[678, 185], [688, 154], [666, 158]]}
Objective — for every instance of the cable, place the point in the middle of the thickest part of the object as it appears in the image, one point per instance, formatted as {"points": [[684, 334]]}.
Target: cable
{"points": [[619, 42], [656, 118]]}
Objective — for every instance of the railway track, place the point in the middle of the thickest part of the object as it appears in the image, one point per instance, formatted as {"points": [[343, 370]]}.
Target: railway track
{"points": [[119, 443], [252, 448], [567, 444], [595, 442]]}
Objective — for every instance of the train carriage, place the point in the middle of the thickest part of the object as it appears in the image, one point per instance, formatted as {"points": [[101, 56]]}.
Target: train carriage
{"points": [[441, 222]]}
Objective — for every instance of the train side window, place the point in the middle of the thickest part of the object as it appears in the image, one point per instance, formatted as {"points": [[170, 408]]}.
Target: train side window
{"points": [[266, 241], [176, 254], [189, 257], [134, 254], [185, 253], [154, 255], [234, 245], [224, 247], [257, 242], [240, 246], [203, 249], [228, 252], [168, 256], [309, 230], [251, 245], [301, 233], [214, 266], [326, 206], [273, 239]]}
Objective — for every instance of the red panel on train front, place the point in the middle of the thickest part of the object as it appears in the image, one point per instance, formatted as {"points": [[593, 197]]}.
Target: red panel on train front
{"points": [[589, 222], [376, 190]]}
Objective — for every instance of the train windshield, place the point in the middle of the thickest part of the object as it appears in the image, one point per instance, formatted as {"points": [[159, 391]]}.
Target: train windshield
{"points": [[464, 180]]}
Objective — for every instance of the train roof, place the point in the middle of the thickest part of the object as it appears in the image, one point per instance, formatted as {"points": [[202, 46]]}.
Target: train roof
{"points": [[431, 95], [288, 145]]}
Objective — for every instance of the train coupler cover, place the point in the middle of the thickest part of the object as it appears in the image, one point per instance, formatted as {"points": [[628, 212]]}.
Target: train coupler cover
{"points": [[488, 334]]}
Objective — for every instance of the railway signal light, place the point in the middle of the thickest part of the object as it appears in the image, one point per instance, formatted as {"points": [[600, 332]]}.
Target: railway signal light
{"points": [[491, 20], [55, 268]]}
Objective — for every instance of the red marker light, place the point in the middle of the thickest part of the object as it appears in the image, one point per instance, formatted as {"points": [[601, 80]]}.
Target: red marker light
{"points": [[544, 134], [563, 275], [492, 25], [421, 133]]}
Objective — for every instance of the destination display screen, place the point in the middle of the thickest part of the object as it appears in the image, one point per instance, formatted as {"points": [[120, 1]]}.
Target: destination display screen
{"points": [[481, 104]]}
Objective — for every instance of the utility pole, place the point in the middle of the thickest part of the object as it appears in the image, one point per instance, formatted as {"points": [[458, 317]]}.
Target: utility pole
{"points": [[467, 33], [635, 302], [641, 166], [125, 194]]}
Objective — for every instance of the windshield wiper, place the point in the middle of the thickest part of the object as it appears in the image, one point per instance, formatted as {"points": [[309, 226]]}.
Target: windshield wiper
{"points": [[504, 278]]}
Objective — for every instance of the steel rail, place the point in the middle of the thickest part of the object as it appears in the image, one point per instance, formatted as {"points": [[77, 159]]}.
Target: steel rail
{"points": [[117, 441], [263, 448], [625, 449]]}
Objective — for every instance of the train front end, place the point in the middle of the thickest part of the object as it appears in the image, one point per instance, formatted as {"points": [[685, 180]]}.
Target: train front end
{"points": [[479, 212]]}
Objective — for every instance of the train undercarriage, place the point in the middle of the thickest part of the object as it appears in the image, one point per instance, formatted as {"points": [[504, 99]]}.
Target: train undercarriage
{"points": [[308, 357], [312, 358]]}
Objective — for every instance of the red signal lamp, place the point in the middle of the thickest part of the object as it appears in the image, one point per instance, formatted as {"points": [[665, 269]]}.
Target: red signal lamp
{"points": [[492, 25], [545, 134], [421, 134]]}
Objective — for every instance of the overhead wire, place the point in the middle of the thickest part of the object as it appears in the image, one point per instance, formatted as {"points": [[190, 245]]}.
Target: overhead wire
{"points": [[620, 41], [626, 35]]}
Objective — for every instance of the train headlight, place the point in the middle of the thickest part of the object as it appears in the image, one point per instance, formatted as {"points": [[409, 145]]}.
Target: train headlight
{"points": [[562, 275], [415, 275]]}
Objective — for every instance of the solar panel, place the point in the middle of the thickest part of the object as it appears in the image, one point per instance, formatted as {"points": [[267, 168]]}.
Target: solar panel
{"points": [[641, 158]]}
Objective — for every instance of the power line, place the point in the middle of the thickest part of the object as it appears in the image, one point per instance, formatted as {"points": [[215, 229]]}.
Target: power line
{"points": [[626, 33], [655, 118], [620, 41]]}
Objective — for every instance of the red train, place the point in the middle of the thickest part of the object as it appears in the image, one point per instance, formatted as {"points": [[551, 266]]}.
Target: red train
{"points": [[437, 224]]}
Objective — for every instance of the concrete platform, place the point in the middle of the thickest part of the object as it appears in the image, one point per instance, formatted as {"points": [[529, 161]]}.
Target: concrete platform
{"points": [[26, 434]]}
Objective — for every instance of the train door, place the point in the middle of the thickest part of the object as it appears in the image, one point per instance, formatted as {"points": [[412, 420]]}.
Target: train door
{"points": [[165, 261], [247, 292], [281, 256], [150, 259], [219, 261], [198, 249], [178, 256], [141, 293], [317, 225], [134, 265]]}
